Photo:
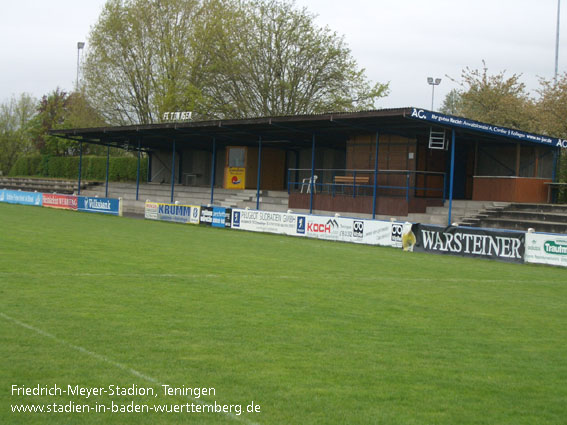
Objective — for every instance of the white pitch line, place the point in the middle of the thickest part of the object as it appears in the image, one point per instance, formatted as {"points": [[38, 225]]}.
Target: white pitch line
{"points": [[106, 360]]}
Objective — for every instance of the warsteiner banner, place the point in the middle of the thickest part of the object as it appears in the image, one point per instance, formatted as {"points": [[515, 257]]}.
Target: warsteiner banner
{"points": [[470, 242]]}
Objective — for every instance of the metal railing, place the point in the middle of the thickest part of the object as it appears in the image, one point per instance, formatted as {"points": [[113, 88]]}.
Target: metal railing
{"points": [[395, 183]]}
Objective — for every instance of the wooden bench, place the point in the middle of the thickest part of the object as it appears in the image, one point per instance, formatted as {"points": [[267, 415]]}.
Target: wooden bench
{"points": [[352, 180]]}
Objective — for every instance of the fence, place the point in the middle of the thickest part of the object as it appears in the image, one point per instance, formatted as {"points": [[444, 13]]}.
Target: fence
{"points": [[399, 183]]}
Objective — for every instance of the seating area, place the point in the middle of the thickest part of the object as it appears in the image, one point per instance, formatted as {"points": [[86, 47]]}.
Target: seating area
{"points": [[352, 180], [32, 184], [540, 217]]}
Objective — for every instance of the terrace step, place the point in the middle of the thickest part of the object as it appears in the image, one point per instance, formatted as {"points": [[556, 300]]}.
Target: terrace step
{"points": [[540, 217]]}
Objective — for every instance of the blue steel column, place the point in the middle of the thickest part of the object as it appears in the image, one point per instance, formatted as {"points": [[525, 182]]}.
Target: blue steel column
{"points": [[80, 166], [452, 177], [180, 161], [107, 167], [375, 177], [172, 170], [213, 169], [556, 155], [138, 172], [149, 166], [259, 170], [311, 183], [554, 179]]}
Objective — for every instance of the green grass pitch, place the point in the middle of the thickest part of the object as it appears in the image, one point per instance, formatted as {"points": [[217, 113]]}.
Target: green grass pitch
{"points": [[313, 332]]}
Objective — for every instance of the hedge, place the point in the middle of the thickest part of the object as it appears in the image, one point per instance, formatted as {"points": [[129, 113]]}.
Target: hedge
{"points": [[67, 167]]}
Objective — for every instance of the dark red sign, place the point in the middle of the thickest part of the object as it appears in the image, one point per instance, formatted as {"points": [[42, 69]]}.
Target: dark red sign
{"points": [[68, 202]]}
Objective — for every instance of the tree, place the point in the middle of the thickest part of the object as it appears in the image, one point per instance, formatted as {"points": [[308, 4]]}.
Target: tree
{"points": [[15, 137], [270, 58], [494, 99], [139, 59], [218, 58], [552, 106], [452, 103], [60, 110]]}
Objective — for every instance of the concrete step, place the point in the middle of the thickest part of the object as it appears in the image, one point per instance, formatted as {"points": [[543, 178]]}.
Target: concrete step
{"points": [[539, 208], [511, 224], [271, 200], [276, 194], [265, 206], [425, 219], [530, 215]]}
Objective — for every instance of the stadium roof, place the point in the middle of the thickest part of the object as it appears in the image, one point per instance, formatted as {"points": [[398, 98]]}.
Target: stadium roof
{"points": [[330, 129]]}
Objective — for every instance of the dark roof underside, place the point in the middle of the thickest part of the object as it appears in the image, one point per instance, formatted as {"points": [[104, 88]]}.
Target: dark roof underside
{"points": [[291, 132]]}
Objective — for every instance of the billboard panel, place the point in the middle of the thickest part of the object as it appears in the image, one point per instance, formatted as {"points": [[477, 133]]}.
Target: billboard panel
{"points": [[99, 205], [546, 248], [151, 210], [470, 242], [216, 216], [346, 229], [67, 202], [269, 222], [172, 212], [19, 197], [222, 217]]}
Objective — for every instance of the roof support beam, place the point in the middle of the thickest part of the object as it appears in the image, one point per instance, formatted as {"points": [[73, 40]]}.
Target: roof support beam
{"points": [[172, 170], [213, 170], [311, 182], [375, 176], [452, 176], [258, 178]]}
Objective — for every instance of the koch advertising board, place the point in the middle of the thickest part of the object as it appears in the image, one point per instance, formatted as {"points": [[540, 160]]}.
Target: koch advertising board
{"points": [[546, 248], [344, 229], [216, 216], [19, 197], [172, 212], [269, 222], [151, 210], [470, 242], [66, 202], [99, 205]]}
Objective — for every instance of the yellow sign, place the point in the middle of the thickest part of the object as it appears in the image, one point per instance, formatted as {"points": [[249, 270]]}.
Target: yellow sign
{"points": [[234, 178]]}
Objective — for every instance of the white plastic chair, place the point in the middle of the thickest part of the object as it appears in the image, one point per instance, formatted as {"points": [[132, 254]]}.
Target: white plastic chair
{"points": [[307, 182]]}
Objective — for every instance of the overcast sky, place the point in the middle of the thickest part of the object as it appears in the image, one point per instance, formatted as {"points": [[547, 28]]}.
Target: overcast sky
{"points": [[398, 41]]}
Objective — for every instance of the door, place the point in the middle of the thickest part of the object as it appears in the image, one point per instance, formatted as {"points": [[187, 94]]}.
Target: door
{"points": [[235, 167]]}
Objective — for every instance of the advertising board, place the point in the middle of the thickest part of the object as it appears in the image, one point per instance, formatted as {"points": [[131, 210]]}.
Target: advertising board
{"points": [[151, 210], [99, 205], [545, 248], [67, 202], [470, 242], [19, 197], [172, 212], [235, 178], [269, 222], [345, 229], [436, 117], [216, 216], [222, 217], [206, 216]]}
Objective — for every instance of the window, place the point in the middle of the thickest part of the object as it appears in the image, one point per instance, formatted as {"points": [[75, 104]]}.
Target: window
{"points": [[237, 157]]}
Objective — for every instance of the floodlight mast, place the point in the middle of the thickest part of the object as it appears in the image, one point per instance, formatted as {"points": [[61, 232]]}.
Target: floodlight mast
{"points": [[557, 41], [433, 82], [80, 46]]}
